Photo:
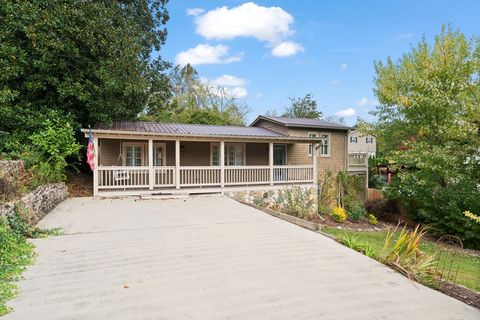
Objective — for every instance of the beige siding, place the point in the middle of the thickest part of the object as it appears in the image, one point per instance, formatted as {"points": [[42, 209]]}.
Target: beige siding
{"points": [[298, 153], [272, 126], [108, 152], [257, 154]]}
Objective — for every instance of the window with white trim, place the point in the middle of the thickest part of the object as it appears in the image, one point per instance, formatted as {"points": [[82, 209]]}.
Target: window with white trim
{"points": [[369, 139], [354, 139], [310, 146], [133, 154], [234, 154], [325, 145]]}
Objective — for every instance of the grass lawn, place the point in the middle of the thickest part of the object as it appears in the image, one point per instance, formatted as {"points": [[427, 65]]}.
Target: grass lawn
{"points": [[469, 270]]}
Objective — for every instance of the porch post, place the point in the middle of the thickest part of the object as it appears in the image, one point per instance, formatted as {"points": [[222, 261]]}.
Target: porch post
{"points": [[314, 160], [270, 161], [151, 172], [222, 163], [177, 164], [95, 170]]}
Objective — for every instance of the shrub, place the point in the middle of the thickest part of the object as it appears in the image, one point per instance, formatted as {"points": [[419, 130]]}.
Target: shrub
{"points": [[296, 201], [380, 208], [19, 224], [8, 189], [372, 219], [15, 254], [353, 243], [339, 214], [404, 254], [357, 212]]}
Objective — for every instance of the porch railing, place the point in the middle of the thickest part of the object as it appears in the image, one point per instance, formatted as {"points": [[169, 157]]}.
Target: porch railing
{"points": [[357, 161], [115, 177]]}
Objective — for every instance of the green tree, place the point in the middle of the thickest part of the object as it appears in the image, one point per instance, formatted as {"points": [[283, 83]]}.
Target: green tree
{"points": [[197, 101], [429, 114], [305, 107], [94, 60]]}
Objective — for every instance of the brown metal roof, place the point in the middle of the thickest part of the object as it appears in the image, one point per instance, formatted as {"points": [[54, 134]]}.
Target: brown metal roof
{"points": [[303, 122], [187, 129]]}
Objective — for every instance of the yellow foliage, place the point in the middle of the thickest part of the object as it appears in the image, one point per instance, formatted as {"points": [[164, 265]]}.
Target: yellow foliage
{"points": [[339, 214]]}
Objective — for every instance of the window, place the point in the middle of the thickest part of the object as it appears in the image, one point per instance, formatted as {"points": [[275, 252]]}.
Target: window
{"points": [[369, 139], [234, 154], [159, 154], [325, 146], [310, 147], [133, 155], [354, 139]]}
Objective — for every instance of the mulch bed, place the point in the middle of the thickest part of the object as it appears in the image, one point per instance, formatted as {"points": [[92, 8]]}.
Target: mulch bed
{"points": [[80, 184], [362, 225], [461, 293]]}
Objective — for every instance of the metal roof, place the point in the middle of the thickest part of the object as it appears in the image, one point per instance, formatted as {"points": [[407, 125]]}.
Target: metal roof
{"points": [[187, 129], [303, 122]]}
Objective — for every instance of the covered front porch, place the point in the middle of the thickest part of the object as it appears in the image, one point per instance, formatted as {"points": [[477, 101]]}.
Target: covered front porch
{"points": [[165, 165]]}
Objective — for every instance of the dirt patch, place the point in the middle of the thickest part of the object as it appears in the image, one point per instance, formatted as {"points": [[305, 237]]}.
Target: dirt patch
{"points": [[80, 184], [461, 293]]}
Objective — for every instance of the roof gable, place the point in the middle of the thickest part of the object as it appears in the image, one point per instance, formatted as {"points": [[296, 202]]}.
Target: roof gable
{"points": [[302, 123]]}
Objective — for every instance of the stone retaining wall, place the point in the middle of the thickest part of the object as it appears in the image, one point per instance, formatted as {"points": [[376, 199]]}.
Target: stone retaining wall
{"points": [[38, 202], [11, 168], [277, 199]]}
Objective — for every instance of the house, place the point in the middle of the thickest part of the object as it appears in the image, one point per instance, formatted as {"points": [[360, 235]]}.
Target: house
{"points": [[359, 142], [166, 158]]}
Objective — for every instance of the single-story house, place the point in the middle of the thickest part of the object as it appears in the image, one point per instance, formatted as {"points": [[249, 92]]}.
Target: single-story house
{"points": [[167, 158]]}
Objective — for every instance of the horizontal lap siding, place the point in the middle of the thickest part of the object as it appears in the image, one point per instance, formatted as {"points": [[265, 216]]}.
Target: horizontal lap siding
{"points": [[298, 152], [272, 126], [194, 153], [257, 154]]}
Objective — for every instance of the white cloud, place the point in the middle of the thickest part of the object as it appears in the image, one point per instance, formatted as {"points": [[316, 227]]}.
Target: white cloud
{"points": [[269, 24], [228, 80], [238, 92], [346, 112], [194, 11], [404, 35], [343, 66], [287, 49], [206, 54], [366, 102]]}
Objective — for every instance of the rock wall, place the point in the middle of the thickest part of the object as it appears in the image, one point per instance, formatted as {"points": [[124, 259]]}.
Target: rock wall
{"points": [[38, 202], [277, 199], [11, 168]]}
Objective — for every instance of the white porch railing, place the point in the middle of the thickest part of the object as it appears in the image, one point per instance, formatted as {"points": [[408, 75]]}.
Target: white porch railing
{"points": [[288, 174], [164, 176], [248, 175], [115, 177], [357, 161], [122, 177], [199, 176]]}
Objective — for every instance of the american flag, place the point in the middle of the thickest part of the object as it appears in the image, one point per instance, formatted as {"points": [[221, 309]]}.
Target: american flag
{"points": [[91, 152]]}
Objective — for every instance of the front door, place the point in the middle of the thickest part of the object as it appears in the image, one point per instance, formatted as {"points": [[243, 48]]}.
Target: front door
{"points": [[279, 155]]}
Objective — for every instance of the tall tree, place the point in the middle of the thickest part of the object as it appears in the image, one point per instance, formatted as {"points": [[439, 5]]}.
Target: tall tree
{"points": [[93, 60], [430, 117], [195, 100], [305, 107]]}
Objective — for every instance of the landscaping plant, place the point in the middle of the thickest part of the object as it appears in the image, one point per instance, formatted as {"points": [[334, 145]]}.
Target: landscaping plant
{"points": [[339, 214], [372, 219], [297, 201], [357, 212], [404, 255], [360, 246]]}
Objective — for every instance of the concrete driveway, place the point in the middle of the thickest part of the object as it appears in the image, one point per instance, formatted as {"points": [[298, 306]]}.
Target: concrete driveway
{"points": [[208, 258]]}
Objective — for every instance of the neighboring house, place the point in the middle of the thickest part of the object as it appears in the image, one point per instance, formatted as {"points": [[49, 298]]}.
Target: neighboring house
{"points": [[362, 143], [272, 153]]}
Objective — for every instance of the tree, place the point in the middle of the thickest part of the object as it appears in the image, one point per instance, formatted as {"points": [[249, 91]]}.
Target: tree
{"points": [[90, 59], [195, 100], [430, 115], [305, 107], [336, 119]]}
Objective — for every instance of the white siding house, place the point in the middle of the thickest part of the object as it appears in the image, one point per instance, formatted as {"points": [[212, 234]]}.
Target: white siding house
{"points": [[359, 142]]}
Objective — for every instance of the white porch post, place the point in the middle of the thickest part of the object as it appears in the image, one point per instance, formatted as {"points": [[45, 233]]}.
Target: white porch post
{"points": [[314, 163], [95, 171], [222, 163], [270, 161], [151, 172], [177, 164]]}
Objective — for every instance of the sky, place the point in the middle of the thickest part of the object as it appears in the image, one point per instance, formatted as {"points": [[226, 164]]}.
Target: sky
{"points": [[267, 51]]}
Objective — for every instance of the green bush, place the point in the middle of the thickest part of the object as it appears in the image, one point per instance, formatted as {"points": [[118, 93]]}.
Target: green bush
{"points": [[297, 201], [372, 219], [15, 254], [357, 212]]}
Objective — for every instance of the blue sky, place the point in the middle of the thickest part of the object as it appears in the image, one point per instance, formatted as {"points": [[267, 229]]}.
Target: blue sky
{"points": [[266, 51]]}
